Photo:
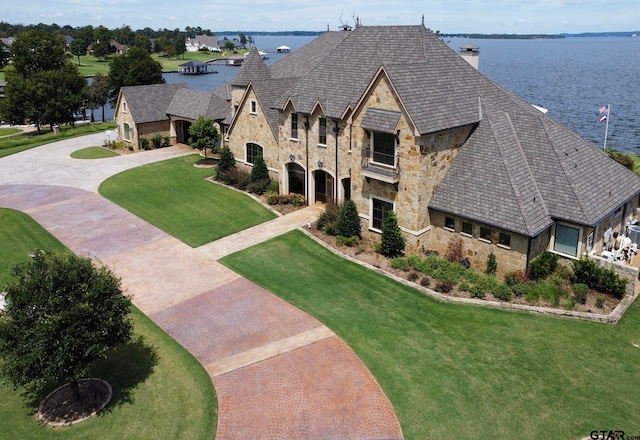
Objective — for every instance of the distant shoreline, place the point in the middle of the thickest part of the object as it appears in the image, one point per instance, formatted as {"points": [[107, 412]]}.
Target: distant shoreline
{"points": [[453, 35]]}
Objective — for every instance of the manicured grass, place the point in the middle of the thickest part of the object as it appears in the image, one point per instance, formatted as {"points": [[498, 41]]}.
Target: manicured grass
{"points": [[174, 196], [8, 131], [160, 390], [25, 141], [90, 65], [457, 370], [93, 153]]}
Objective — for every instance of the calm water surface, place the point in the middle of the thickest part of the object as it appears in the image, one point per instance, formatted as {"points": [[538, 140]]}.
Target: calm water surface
{"points": [[571, 77]]}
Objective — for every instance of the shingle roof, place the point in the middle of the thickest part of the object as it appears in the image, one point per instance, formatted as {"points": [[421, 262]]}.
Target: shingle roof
{"points": [[382, 120], [519, 169], [149, 103], [190, 104], [253, 67], [522, 170]]}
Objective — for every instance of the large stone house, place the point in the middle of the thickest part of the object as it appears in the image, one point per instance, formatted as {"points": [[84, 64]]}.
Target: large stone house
{"points": [[423, 133], [417, 130]]}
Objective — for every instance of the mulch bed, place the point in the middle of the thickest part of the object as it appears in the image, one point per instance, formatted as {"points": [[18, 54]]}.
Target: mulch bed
{"points": [[59, 407], [365, 253]]}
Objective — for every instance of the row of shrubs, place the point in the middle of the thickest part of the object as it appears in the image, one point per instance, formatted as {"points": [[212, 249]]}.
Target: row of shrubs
{"points": [[547, 280], [285, 199], [257, 181], [156, 141], [118, 145], [344, 223]]}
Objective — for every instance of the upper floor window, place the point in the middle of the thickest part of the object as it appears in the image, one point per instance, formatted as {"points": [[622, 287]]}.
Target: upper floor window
{"points": [[253, 107], [383, 150], [253, 151], [294, 126], [322, 132], [124, 106]]}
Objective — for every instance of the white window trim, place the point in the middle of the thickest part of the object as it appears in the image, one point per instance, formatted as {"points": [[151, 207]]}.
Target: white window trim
{"points": [[291, 129], [395, 151], [124, 107], [253, 107], [504, 246], [552, 242], [246, 158], [393, 203], [124, 132], [326, 127]]}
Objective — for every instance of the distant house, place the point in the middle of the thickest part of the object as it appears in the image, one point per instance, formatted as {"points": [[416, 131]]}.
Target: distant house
{"points": [[117, 48], [7, 41], [194, 68], [199, 42], [168, 110]]}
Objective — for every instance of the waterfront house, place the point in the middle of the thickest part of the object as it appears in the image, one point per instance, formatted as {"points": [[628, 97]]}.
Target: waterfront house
{"points": [[451, 152], [199, 42]]}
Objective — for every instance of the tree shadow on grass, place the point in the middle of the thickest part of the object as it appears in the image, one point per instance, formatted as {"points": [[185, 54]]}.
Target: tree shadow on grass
{"points": [[126, 367]]}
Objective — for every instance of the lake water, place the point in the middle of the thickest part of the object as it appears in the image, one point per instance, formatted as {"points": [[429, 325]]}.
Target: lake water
{"points": [[571, 77]]}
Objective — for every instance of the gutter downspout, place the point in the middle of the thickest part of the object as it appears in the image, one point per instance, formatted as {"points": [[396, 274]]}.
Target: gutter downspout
{"points": [[336, 131], [306, 171]]}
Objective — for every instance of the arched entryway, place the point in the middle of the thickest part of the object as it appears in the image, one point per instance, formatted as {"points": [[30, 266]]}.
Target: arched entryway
{"points": [[324, 186], [296, 178]]}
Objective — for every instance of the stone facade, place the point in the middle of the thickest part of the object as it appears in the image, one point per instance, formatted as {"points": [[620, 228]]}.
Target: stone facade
{"points": [[123, 116], [253, 127]]}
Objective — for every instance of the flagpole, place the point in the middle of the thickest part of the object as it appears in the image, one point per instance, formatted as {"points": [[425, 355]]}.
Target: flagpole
{"points": [[606, 130]]}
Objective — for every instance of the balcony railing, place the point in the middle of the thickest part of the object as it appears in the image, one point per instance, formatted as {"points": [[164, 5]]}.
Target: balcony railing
{"points": [[380, 166]]}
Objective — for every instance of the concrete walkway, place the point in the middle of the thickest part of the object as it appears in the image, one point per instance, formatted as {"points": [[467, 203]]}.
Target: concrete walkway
{"points": [[278, 372]]}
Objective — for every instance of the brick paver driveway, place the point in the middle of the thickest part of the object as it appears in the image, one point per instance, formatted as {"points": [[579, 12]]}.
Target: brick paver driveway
{"points": [[278, 372]]}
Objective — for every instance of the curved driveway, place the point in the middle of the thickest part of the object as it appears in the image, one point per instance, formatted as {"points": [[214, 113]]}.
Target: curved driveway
{"points": [[278, 372]]}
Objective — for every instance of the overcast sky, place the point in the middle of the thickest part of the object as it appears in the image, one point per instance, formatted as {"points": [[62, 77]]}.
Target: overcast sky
{"points": [[447, 16]]}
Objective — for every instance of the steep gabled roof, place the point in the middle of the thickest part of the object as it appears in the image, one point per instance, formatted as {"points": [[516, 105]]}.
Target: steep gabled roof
{"points": [[190, 104], [253, 68], [149, 103]]}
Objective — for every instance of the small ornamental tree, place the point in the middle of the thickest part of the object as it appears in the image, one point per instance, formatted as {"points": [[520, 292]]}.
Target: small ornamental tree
{"points": [[203, 135], [225, 163], [62, 314], [492, 264], [259, 180], [392, 240], [349, 222]]}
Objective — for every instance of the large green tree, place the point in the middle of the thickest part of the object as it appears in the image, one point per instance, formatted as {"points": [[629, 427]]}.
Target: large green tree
{"points": [[203, 135], [43, 86], [78, 47], [62, 314], [134, 68], [98, 93]]}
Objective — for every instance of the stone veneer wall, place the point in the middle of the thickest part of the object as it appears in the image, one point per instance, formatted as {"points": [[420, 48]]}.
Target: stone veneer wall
{"points": [[126, 118], [253, 128], [150, 129], [476, 250]]}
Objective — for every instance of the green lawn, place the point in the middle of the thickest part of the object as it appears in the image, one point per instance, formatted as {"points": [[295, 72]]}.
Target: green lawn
{"points": [[93, 153], [25, 141], [174, 196], [457, 370], [90, 65], [160, 390], [8, 131]]}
